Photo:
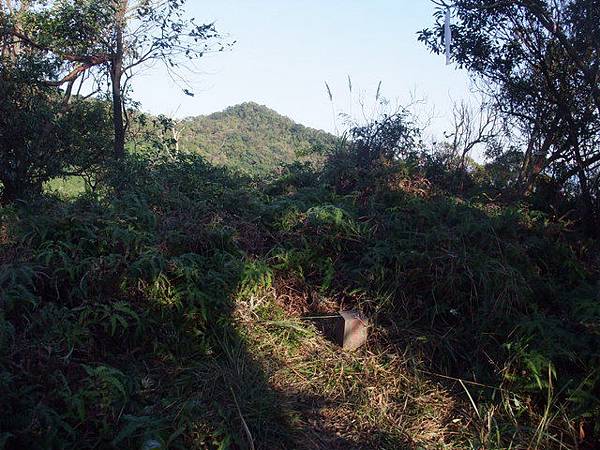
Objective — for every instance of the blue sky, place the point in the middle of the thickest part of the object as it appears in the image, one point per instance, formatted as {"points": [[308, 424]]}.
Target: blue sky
{"points": [[287, 49]]}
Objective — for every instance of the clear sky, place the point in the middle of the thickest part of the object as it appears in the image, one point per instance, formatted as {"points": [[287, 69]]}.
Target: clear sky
{"points": [[287, 49]]}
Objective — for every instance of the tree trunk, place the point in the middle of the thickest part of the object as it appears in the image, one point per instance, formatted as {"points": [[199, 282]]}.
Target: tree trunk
{"points": [[525, 174], [116, 73], [589, 214], [119, 127], [9, 193]]}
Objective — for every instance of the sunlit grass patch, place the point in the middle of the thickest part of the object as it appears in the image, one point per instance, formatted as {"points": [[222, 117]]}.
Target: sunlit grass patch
{"points": [[66, 187], [368, 399]]}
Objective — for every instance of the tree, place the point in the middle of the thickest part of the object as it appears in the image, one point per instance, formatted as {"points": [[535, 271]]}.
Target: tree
{"points": [[43, 132], [143, 31], [539, 61], [112, 40], [41, 139], [471, 128]]}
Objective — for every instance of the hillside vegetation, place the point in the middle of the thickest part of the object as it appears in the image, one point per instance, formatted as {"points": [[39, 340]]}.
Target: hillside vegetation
{"points": [[250, 137]]}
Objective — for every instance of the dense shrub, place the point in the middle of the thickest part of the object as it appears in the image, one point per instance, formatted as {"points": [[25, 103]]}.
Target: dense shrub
{"points": [[42, 135], [481, 290], [105, 296]]}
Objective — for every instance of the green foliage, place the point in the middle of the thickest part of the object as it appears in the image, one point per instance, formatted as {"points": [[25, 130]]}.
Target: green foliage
{"points": [[256, 277], [132, 294], [44, 132], [100, 279], [538, 60], [42, 137], [68, 187]]}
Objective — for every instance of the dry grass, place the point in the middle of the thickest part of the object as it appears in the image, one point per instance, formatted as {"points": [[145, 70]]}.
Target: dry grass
{"points": [[291, 295], [380, 397], [417, 186], [368, 399]]}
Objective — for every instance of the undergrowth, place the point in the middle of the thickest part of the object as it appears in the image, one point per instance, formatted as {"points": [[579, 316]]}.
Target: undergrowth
{"points": [[166, 308]]}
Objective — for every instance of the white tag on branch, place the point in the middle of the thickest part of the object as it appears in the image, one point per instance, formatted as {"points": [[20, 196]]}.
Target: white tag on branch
{"points": [[447, 36], [152, 444]]}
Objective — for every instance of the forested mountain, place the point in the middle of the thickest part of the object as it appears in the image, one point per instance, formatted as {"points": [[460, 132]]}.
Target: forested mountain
{"points": [[250, 137]]}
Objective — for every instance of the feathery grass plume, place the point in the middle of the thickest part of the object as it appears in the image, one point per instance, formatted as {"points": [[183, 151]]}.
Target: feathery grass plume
{"points": [[378, 91], [329, 92], [350, 90], [332, 108]]}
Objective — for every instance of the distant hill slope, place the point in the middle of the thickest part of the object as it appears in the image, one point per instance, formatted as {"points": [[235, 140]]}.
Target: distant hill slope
{"points": [[249, 137]]}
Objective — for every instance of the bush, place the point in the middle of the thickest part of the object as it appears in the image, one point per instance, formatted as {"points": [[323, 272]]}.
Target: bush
{"points": [[42, 136]]}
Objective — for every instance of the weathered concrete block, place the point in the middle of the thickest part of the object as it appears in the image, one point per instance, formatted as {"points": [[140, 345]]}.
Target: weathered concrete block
{"points": [[351, 330]]}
